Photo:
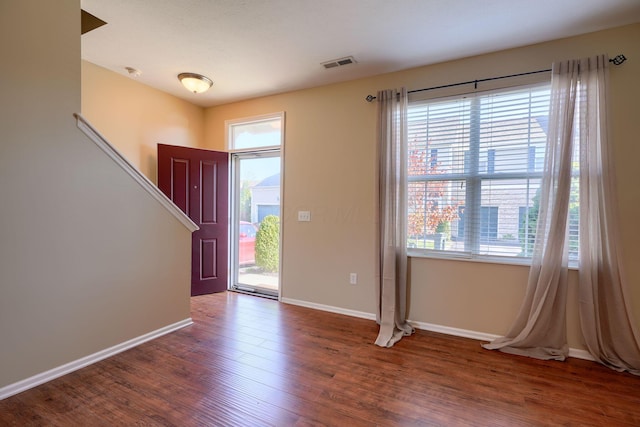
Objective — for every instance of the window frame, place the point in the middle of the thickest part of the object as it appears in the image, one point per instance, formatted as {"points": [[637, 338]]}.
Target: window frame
{"points": [[230, 124], [477, 178]]}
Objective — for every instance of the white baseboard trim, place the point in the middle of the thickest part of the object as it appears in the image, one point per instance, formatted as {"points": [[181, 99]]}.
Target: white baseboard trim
{"points": [[54, 373], [581, 354], [481, 336], [330, 308], [465, 333]]}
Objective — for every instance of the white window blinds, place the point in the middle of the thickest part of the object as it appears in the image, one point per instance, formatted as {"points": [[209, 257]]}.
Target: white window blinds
{"points": [[475, 164]]}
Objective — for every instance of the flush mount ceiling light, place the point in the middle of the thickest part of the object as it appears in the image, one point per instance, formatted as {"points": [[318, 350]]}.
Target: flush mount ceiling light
{"points": [[195, 83]]}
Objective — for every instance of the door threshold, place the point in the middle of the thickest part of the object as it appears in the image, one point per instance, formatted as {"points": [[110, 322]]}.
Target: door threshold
{"points": [[253, 291]]}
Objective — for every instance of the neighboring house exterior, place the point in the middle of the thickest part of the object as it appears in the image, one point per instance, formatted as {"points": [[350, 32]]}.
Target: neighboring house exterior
{"points": [[501, 207], [509, 164], [265, 198]]}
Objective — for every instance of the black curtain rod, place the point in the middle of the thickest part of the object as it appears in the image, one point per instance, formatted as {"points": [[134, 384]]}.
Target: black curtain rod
{"points": [[619, 59]]}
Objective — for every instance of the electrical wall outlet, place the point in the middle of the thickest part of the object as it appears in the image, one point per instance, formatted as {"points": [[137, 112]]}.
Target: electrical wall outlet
{"points": [[353, 278]]}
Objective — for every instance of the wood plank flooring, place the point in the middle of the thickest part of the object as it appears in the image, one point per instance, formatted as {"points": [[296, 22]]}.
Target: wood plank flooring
{"points": [[249, 361]]}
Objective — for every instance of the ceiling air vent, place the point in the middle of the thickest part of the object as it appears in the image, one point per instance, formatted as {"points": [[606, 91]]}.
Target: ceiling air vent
{"points": [[339, 62]]}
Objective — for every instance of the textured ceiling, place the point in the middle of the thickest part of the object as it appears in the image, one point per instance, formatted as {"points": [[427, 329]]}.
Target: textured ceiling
{"points": [[251, 48]]}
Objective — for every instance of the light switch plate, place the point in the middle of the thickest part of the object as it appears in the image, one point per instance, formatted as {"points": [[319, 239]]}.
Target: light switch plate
{"points": [[304, 216]]}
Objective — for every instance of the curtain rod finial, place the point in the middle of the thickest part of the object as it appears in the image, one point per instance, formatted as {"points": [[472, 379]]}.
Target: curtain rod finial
{"points": [[618, 59], [370, 98]]}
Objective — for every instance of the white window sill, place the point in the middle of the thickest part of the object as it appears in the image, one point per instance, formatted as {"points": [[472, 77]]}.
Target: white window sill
{"points": [[458, 256]]}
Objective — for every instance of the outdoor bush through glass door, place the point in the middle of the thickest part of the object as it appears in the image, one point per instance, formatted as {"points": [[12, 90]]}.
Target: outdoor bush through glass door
{"points": [[256, 219]]}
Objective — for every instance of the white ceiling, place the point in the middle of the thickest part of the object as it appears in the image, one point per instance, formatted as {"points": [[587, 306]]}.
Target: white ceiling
{"points": [[251, 48]]}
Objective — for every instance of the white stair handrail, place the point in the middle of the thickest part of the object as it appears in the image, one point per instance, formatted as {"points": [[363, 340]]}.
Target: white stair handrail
{"points": [[133, 172]]}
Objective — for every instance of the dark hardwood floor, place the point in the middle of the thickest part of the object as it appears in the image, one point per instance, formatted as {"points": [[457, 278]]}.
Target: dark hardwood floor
{"points": [[249, 361]]}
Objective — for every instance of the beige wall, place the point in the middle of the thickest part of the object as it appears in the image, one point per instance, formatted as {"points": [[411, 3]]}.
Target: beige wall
{"points": [[330, 170], [135, 117], [88, 260]]}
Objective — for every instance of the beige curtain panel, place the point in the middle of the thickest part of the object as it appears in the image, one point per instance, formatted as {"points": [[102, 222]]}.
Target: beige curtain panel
{"points": [[540, 328], [578, 115], [392, 213], [605, 315]]}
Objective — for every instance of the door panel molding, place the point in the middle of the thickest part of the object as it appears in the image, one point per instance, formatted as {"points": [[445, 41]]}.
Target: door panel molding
{"points": [[197, 180]]}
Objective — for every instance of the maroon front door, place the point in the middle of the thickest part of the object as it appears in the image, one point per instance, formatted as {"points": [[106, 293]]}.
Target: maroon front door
{"points": [[197, 182]]}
